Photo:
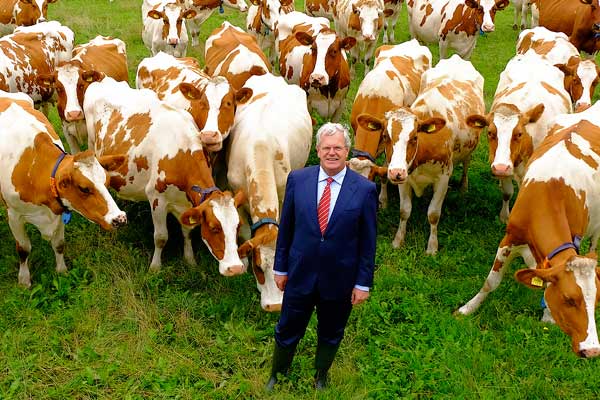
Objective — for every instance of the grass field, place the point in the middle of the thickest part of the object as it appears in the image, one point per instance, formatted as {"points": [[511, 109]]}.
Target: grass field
{"points": [[111, 330]]}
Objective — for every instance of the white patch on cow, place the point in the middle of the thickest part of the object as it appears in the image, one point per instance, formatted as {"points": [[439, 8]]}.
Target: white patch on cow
{"points": [[270, 295], [225, 211], [369, 15], [323, 42], [68, 76], [215, 90], [244, 60], [584, 270], [408, 122], [363, 167], [487, 24], [505, 124], [378, 82], [586, 71]]}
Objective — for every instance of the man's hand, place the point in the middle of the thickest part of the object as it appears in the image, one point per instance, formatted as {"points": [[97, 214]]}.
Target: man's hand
{"points": [[358, 296], [280, 281]]}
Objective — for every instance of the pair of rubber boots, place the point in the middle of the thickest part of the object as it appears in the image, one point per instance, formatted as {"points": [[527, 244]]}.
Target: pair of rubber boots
{"points": [[283, 356]]}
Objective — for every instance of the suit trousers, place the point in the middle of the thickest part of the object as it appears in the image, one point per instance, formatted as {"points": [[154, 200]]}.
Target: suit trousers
{"points": [[296, 310]]}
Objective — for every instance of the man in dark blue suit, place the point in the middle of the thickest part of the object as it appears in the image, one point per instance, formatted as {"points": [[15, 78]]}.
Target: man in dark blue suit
{"points": [[325, 252]]}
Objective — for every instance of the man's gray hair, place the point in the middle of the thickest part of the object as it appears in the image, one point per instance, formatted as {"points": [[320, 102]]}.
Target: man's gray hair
{"points": [[330, 129]]}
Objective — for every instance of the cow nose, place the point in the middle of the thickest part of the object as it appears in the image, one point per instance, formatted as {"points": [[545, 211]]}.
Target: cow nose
{"points": [[234, 270], [272, 307], [369, 38], [589, 353], [317, 81], [41, 19], [488, 28], [596, 28], [120, 220], [173, 41], [243, 8], [579, 107], [74, 116], [397, 175], [210, 137], [501, 170]]}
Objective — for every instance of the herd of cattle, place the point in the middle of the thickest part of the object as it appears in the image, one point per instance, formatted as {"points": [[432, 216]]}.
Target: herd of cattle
{"points": [[424, 119]]}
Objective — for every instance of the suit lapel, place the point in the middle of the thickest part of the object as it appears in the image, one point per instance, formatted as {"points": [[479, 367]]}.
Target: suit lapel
{"points": [[310, 188], [346, 193]]}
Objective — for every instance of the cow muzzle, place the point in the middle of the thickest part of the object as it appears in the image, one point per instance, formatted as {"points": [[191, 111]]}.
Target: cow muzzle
{"points": [[74, 116], [173, 42], [232, 270], [579, 107], [488, 28], [212, 140], [119, 220], [317, 81], [272, 307], [589, 353], [502, 170], [397, 175]]}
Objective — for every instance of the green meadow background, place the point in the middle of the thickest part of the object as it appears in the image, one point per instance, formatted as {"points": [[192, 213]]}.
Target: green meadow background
{"points": [[111, 330]]}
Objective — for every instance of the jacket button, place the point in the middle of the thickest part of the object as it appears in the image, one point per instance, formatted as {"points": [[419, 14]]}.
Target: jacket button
{"points": [[322, 239]]}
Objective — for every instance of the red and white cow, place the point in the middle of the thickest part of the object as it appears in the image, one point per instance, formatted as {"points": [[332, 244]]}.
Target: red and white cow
{"points": [[164, 27], [182, 83], [391, 12], [261, 22], [30, 52], [558, 203], [15, 13], [394, 82], [319, 8], [362, 20], [92, 61], [263, 148], [522, 14], [166, 166], [581, 76], [39, 182], [578, 19], [313, 56], [234, 54], [529, 95], [204, 9], [429, 138], [454, 24]]}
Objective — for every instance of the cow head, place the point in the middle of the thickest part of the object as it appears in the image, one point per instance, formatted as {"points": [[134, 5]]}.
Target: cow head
{"points": [[509, 142], [237, 4], [31, 12], [369, 141], [213, 108], [172, 16], [326, 58], [485, 12], [81, 182], [219, 221], [571, 295], [270, 10], [262, 249], [404, 131], [70, 82], [581, 79], [367, 18]]}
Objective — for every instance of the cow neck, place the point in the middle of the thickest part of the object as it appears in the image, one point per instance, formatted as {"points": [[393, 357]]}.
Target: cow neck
{"points": [[203, 192], [575, 244], [261, 222], [64, 210]]}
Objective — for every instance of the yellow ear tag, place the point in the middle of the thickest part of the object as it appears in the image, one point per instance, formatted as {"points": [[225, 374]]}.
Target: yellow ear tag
{"points": [[537, 281], [89, 79], [373, 126], [192, 220], [430, 128]]}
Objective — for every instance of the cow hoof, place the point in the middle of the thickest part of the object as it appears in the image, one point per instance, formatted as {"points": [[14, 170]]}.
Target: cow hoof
{"points": [[515, 27]]}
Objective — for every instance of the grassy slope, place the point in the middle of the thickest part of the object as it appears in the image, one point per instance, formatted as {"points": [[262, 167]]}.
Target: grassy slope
{"points": [[111, 330]]}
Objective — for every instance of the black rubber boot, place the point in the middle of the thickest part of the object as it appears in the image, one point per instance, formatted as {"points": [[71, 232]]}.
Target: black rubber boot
{"points": [[323, 360], [282, 359]]}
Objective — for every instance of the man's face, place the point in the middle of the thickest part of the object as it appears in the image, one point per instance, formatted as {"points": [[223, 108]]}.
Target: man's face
{"points": [[332, 152]]}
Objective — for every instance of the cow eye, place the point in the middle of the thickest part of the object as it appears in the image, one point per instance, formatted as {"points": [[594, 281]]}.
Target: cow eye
{"points": [[570, 302], [215, 229], [84, 190]]}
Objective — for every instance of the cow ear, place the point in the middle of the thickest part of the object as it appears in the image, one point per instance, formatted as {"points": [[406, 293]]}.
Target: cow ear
{"points": [[477, 121], [535, 113], [52, 1], [347, 43], [255, 2], [501, 5], [304, 38], [587, 2], [566, 69], [90, 76], [46, 80], [243, 95], [154, 14], [431, 125], [388, 12], [193, 216], [189, 14], [189, 91], [112, 163], [472, 3], [370, 123], [239, 198], [285, 3], [534, 278]]}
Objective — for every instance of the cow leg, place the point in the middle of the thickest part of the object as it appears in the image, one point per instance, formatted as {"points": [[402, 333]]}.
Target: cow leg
{"points": [[368, 55], [535, 16], [57, 241], [594, 242], [161, 234], [504, 255], [383, 193], [464, 179], [516, 18], [17, 227], [70, 132], [386, 27], [435, 211], [524, 9], [188, 250], [507, 193], [405, 192], [443, 45]]}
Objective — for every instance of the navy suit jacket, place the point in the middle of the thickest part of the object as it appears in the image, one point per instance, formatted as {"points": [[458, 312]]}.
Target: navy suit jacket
{"points": [[344, 255]]}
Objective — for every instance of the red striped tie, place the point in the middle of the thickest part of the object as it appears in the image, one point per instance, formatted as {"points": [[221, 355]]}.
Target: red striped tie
{"points": [[323, 209]]}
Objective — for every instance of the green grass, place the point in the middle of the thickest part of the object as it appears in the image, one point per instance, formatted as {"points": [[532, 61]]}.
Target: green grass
{"points": [[110, 330]]}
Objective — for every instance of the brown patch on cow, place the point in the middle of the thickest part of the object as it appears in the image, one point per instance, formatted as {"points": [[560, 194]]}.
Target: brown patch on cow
{"points": [[278, 155], [465, 19], [154, 204], [141, 163], [428, 12], [257, 97], [551, 89], [509, 90], [184, 170]]}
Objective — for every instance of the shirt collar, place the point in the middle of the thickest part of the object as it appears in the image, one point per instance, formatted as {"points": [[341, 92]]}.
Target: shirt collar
{"points": [[338, 178]]}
